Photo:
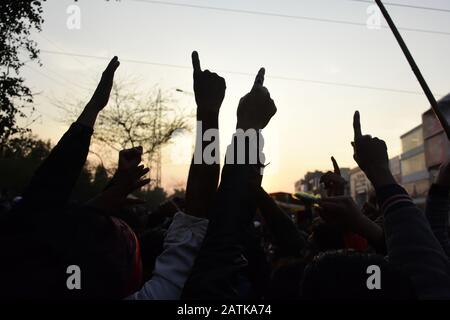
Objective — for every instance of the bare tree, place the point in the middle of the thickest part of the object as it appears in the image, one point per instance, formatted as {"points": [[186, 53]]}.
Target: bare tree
{"points": [[133, 118]]}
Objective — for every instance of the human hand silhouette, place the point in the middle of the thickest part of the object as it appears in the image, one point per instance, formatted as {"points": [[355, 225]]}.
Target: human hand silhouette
{"points": [[371, 156], [256, 108], [129, 158], [333, 181], [128, 178], [209, 89], [100, 97]]}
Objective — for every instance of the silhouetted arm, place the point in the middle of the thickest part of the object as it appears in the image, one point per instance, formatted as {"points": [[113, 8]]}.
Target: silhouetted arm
{"points": [[54, 180], [219, 262], [285, 233], [204, 171], [411, 244], [216, 270], [203, 178]]}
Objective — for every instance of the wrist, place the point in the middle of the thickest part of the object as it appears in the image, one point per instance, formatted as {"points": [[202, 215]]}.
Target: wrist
{"points": [[208, 122], [208, 113], [380, 177], [246, 126]]}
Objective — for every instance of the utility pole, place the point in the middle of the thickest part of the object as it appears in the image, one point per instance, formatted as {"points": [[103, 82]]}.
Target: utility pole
{"points": [[158, 136], [155, 160]]}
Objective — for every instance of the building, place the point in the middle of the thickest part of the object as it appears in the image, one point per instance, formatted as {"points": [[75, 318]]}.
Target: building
{"points": [[424, 149], [345, 173], [414, 171], [396, 168], [360, 186], [310, 183], [436, 143]]}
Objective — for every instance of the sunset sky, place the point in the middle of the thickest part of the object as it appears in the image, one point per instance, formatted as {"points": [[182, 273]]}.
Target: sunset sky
{"points": [[303, 57]]}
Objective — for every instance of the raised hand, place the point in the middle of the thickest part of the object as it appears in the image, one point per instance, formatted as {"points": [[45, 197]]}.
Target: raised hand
{"points": [[115, 197], [371, 155], [128, 178], [256, 108], [101, 95], [333, 181], [209, 89], [129, 158], [203, 178], [129, 172], [131, 180]]}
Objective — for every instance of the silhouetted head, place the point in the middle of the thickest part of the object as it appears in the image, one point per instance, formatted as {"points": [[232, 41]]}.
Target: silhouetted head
{"points": [[348, 274], [107, 251]]}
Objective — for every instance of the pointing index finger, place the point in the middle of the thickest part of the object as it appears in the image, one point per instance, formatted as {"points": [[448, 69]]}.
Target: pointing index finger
{"points": [[196, 62], [357, 125], [259, 80], [335, 166]]}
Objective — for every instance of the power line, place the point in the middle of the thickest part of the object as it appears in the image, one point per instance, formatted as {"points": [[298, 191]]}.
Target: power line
{"points": [[57, 47], [64, 53], [329, 83], [53, 44], [46, 76], [405, 6], [50, 78], [279, 15], [67, 80], [58, 78]]}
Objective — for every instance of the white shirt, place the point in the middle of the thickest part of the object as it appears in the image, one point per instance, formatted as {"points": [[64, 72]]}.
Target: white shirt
{"points": [[173, 266]]}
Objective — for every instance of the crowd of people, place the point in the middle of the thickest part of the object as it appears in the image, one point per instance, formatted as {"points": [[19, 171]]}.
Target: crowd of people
{"points": [[222, 241]]}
